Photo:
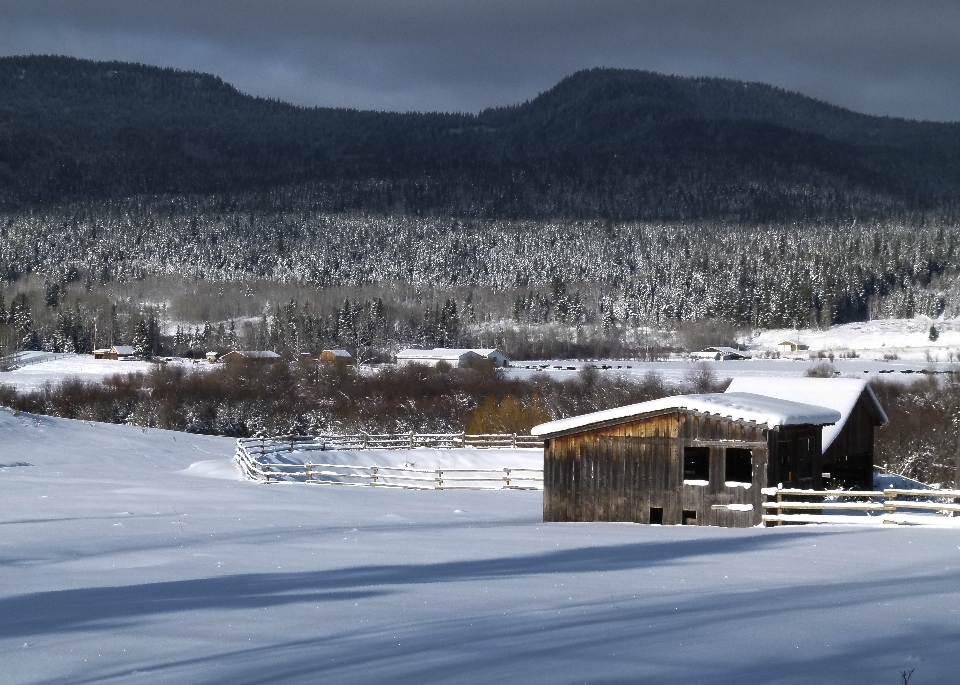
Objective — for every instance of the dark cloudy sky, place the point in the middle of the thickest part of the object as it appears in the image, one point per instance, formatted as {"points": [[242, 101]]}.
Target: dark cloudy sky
{"points": [[894, 57]]}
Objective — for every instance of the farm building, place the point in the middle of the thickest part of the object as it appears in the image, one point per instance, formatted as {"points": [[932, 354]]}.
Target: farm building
{"points": [[262, 356], [791, 346], [336, 357], [720, 354], [847, 445], [115, 352], [690, 459], [211, 356], [453, 357]]}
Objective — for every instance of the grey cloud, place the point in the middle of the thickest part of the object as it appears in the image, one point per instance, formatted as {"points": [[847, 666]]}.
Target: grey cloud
{"points": [[877, 56]]}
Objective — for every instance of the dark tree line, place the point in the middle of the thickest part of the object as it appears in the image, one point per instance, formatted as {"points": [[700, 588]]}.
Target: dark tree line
{"points": [[603, 143]]}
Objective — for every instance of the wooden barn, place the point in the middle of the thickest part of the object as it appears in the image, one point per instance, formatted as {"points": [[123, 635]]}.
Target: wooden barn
{"points": [[690, 459], [336, 357], [847, 445], [250, 356]]}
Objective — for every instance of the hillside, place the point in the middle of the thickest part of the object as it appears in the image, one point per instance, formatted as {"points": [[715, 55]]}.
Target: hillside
{"points": [[603, 143]]}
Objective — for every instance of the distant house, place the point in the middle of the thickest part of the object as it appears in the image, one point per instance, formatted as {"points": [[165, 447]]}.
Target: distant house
{"points": [[720, 354], [263, 356], [115, 352], [336, 357], [689, 459], [211, 357], [791, 346], [847, 445]]}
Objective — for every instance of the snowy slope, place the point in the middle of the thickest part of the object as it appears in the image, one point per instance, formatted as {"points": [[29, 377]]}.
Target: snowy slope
{"points": [[136, 557]]}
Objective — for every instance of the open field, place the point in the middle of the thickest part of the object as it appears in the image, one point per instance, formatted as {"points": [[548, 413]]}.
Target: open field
{"points": [[133, 556]]}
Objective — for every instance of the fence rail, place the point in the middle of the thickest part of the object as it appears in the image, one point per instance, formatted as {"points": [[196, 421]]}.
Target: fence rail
{"points": [[890, 501], [252, 454]]}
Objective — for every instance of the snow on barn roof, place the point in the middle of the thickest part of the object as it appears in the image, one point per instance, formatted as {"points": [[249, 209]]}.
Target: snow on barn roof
{"points": [[840, 394], [340, 353], [739, 406], [436, 353], [259, 354], [123, 350]]}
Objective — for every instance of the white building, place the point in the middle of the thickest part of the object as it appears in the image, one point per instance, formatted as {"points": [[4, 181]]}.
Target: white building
{"points": [[453, 357]]}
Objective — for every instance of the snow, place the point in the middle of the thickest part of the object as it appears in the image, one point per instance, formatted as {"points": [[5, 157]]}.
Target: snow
{"points": [[420, 458], [840, 394], [53, 368], [739, 406], [872, 340], [117, 567]]}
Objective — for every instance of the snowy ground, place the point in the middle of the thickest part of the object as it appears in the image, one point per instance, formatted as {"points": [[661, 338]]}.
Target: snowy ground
{"points": [[47, 367], [139, 557], [909, 339], [679, 370]]}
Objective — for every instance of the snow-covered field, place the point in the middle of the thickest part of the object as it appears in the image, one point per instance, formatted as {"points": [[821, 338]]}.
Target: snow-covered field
{"points": [[131, 556], [47, 367]]}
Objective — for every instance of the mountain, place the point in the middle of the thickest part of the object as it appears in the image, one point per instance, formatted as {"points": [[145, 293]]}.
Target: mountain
{"points": [[603, 143]]}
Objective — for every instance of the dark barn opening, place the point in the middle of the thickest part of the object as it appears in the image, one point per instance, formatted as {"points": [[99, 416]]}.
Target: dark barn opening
{"points": [[689, 517], [696, 463], [739, 465], [656, 516]]}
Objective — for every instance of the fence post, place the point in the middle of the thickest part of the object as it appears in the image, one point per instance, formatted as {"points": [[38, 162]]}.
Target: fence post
{"points": [[411, 439], [291, 443], [779, 510], [263, 446], [507, 472], [514, 440], [309, 475], [374, 482], [890, 506], [364, 444], [439, 479]]}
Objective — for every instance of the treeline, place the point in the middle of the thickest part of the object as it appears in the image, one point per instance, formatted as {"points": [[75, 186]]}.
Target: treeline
{"points": [[270, 399], [612, 276]]}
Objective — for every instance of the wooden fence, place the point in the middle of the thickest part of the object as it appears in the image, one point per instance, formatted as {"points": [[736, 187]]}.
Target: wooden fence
{"points": [[252, 457], [809, 506]]}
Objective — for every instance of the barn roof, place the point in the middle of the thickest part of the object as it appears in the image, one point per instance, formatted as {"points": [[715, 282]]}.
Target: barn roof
{"points": [[340, 353], [123, 350], [435, 353], [840, 394], [739, 406], [258, 354]]}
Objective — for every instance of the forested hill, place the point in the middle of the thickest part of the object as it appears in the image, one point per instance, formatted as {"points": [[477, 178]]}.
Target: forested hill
{"points": [[603, 143]]}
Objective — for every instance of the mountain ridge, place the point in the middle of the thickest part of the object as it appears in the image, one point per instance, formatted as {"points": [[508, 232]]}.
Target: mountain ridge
{"points": [[602, 143]]}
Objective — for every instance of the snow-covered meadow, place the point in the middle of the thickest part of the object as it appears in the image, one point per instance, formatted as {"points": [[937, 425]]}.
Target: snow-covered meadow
{"points": [[37, 368], [141, 557]]}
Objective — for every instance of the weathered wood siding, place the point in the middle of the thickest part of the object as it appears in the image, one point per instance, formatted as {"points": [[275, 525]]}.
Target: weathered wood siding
{"points": [[849, 459], [622, 472]]}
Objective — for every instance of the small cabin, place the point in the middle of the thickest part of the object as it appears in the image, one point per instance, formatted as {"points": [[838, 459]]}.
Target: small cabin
{"points": [[846, 446], [336, 357], [250, 356], [690, 459], [720, 354], [115, 352], [789, 346], [211, 357]]}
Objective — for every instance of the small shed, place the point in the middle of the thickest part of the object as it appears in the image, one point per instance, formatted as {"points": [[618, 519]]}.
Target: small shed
{"points": [[336, 357], [453, 357], [250, 356], [689, 459], [211, 356], [791, 346], [847, 445], [720, 354], [102, 353]]}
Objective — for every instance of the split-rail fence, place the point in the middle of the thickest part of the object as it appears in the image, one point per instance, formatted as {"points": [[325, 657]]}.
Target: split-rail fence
{"points": [[815, 506], [257, 459]]}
